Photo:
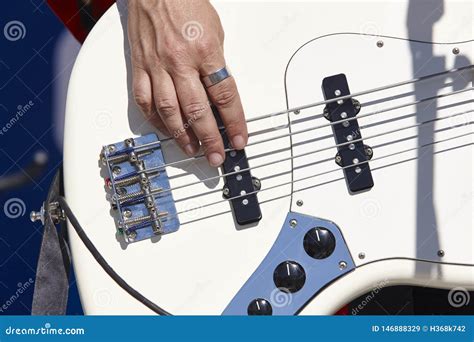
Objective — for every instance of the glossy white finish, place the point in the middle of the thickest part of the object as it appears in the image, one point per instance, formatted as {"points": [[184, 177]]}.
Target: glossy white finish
{"points": [[377, 275], [199, 269], [442, 220]]}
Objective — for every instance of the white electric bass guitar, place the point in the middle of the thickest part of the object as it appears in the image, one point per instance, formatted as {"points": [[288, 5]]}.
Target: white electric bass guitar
{"points": [[358, 172]]}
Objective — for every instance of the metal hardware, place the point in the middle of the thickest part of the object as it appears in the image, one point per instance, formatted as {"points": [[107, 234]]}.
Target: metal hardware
{"points": [[137, 196], [361, 255], [133, 157], [131, 180], [127, 213], [441, 253], [368, 152], [226, 192], [288, 250], [342, 265], [129, 223], [299, 203], [116, 170], [115, 156], [121, 191], [456, 51], [38, 215], [132, 236], [135, 182], [257, 185], [355, 103], [54, 211], [380, 43]]}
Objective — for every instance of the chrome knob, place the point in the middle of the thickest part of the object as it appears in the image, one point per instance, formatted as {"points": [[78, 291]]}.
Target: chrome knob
{"points": [[37, 215]]}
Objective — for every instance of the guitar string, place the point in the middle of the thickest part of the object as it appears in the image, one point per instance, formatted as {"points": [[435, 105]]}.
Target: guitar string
{"points": [[361, 93], [163, 191], [121, 282], [317, 162], [316, 175], [314, 152], [366, 92], [432, 98], [320, 174], [320, 103], [110, 271], [192, 159]]}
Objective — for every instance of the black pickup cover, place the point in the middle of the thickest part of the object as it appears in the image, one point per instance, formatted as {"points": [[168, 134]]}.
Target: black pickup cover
{"points": [[337, 86], [246, 209]]}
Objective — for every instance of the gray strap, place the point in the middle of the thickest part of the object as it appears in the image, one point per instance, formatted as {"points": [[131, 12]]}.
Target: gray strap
{"points": [[52, 274]]}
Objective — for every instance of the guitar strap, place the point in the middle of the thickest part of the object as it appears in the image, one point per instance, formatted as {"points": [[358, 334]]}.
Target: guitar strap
{"points": [[51, 290]]}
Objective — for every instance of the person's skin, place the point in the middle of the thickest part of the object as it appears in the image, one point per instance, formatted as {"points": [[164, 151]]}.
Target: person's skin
{"points": [[173, 44]]}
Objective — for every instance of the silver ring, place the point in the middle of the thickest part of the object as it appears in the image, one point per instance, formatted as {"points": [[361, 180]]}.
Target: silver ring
{"points": [[217, 77]]}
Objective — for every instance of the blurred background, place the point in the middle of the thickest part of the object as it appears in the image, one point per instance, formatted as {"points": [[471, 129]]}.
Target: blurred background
{"points": [[36, 55]]}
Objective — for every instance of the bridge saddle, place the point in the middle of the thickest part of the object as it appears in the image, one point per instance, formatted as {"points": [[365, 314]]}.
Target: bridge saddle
{"points": [[138, 188]]}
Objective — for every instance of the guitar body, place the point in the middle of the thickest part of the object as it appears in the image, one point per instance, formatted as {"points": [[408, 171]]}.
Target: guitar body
{"points": [[413, 226]]}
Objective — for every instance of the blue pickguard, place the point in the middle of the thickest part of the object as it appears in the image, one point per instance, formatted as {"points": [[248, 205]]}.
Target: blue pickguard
{"points": [[163, 202], [289, 247]]}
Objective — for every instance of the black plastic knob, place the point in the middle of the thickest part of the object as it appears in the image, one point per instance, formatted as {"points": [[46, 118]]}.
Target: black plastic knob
{"points": [[319, 243], [259, 307], [289, 276]]}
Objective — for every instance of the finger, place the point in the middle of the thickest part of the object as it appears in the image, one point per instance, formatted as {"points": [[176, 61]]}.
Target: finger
{"points": [[225, 96], [167, 105], [142, 95], [198, 114]]}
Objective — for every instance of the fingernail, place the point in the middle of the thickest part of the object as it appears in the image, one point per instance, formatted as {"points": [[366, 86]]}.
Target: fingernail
{"points": [[215, 159], [238, 142], [190, 150]]}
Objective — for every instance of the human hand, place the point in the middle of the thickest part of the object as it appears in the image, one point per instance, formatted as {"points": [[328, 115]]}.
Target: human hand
{"points": [[174, 43]]}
